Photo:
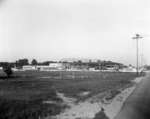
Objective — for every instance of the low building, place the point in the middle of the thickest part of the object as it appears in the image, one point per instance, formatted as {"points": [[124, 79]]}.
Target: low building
{"points": [[28, 67], [43, 68], [111, 67], [57, 66], [92, 69], [128, 69], [15, 69], [51, 67]]}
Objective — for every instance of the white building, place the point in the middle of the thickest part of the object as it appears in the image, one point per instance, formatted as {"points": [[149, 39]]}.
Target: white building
{"points": [[92, 69], [1, 68], [28, 67], [57, 66], [128, 69], [43, 68], [15, 69], [51, 67]]}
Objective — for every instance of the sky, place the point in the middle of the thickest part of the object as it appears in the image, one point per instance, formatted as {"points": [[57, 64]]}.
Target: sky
{"points": [[56, 29]]}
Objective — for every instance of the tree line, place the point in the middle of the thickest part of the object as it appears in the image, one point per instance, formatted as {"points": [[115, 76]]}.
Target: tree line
{"points": [[21, 62]]}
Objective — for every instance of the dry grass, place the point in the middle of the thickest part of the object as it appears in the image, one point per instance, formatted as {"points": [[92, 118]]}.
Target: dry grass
{"points": [[26, 91]]}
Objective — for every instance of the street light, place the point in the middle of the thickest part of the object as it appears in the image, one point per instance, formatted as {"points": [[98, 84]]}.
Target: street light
{"points": [[137, 37]]}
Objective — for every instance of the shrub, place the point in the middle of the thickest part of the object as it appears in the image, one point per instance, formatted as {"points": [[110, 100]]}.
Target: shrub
{"points": [[18, 109], [101, 115], [7, 70]]}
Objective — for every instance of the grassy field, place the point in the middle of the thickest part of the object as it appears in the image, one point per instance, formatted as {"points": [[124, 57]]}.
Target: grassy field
{"points": [[22, 96]]}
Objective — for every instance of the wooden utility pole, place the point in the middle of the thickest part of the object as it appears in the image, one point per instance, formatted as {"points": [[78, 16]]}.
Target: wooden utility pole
{"points": [[137, 37]]}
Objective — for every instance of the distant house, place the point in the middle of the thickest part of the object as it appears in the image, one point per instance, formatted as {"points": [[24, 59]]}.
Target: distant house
{"points": [[43, 68], [112, 67], [28, 67], [15, 69], [128, 69], [92, 69], [51, 67], [57, 66], [78, 67]]}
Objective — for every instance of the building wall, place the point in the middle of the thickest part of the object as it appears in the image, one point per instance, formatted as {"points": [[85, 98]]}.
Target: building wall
{"points": [[29, 67]]}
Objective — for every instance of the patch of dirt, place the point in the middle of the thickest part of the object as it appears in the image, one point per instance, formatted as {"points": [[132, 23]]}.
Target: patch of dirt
{"points": [[110, 101]]}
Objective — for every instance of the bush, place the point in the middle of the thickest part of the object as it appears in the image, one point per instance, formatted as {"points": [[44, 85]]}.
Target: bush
{"points": [[13, 109], [7, 70], [101, 115]]}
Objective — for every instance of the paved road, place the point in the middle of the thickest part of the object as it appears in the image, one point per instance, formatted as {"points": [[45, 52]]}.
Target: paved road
{"points": [[137, 106]]}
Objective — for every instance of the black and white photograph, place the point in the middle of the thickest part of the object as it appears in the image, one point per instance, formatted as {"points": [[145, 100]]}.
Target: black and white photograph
{"points": [[74, 59]]}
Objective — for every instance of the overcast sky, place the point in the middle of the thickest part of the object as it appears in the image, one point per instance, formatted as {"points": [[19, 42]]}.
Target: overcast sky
{"points": [[56, 29]]}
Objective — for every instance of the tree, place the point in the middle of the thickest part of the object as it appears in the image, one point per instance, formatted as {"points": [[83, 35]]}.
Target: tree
{"points": [[34, 62], [79, 62], [7, 69], [22, 62]]}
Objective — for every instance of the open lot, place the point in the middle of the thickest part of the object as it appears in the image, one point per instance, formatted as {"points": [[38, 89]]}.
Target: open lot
{"points": [[22, 96]]}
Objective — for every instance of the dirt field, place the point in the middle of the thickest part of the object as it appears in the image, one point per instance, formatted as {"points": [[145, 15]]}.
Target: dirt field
{"points": [[24, 95]]}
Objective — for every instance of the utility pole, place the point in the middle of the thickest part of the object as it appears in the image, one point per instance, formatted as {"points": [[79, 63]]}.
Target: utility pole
{"points": [[137, 37]]}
